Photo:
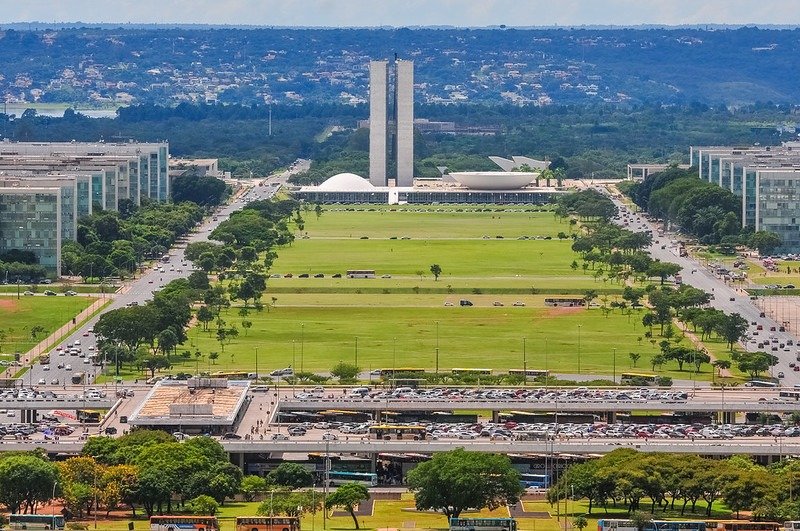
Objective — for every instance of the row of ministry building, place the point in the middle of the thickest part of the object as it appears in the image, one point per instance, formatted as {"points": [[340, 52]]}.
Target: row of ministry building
{"points": [[46, 187], [766, 178]]}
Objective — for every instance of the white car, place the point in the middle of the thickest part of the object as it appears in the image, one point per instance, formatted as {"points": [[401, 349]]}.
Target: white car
{"points": [[68, 367], [45, 367], [42, 381], [280, 437], [329, 437]]}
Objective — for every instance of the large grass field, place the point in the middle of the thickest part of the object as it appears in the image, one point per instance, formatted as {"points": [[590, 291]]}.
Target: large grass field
{"points": [[465, 244], [19, 316], [431, 223], [313, 323], [313, 332]]}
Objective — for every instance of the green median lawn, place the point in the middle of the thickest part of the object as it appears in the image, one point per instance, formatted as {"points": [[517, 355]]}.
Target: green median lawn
{"points": [[18, 317]]}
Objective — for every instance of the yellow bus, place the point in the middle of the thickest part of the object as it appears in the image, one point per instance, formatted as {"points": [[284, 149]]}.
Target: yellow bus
{"points": [[398, 431], [646, 378]]}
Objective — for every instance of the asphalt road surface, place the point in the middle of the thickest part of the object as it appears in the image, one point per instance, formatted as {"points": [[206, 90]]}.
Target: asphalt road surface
{"points": [[726, 297]]}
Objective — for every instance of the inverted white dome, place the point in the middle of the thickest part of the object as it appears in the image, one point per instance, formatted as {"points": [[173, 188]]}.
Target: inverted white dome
{"points": [[494, 180], [343, 182]]}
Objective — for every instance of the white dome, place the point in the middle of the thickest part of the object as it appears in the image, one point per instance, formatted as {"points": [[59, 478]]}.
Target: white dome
{"points": [[494, 180], [344, 182]]}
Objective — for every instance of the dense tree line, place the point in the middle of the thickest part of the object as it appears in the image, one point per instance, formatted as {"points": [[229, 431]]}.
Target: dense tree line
{"points": [[595, 140], [203, 190], [149, 334], [660, 482], [701, 209], [115, 243]]}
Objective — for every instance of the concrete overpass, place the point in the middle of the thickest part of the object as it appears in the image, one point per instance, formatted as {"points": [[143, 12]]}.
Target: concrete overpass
{"points": [[72, 403], [758, 446], [731, 402]]}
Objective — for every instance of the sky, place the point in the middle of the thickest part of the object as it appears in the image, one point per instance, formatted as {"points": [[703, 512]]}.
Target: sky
{"points": [[348, 13]]}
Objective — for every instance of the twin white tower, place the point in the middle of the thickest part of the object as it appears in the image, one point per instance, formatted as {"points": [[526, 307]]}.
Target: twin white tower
{"points": [[397, 132]]}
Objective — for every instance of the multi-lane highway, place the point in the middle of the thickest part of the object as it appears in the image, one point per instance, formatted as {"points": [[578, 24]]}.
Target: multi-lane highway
{"points": [[726, 298]]}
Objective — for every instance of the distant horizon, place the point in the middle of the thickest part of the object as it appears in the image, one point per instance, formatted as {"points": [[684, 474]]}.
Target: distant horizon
{"points": [[525, 14], [710, 26]]}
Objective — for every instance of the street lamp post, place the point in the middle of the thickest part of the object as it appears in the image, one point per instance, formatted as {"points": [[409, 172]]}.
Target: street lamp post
{"points": [[302, 343], [437, 347], [256, 363], [524, 363], [615, 365], [546, 370], [53, 505], [356, 351], [579, 348]]}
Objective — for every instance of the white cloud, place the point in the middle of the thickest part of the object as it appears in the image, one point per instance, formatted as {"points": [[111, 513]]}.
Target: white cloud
{"points": [[406, 12]]}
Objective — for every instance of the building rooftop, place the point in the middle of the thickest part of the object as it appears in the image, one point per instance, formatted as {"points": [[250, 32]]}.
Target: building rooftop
{"points": [[207, 401]]}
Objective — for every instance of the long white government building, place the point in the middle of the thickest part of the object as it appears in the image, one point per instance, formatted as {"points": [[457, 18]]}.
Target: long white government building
{"points": [[45, 187]]}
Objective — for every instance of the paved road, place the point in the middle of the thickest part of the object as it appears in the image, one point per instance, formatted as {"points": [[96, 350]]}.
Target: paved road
{"points": [[141, 289], [726, 298]]}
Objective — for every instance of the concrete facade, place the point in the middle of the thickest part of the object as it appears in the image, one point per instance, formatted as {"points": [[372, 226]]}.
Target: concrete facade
{"points": [[766, 178], [397, 132], [46, 187], [378, 121], [404, 118]]}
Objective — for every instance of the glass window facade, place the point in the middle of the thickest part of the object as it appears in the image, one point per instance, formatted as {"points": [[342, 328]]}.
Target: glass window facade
{"points": [[30, 221]]}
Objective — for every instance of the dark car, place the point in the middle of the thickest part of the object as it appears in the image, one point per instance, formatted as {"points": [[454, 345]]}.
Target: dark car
{"points": [[319, 275], [337, 275], [231, 436], [111, 430], [303, 275]]}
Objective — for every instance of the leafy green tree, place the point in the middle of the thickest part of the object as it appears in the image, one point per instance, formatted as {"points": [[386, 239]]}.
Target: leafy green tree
{"points": [[292, 475], [663, 270], [204, 505], [153, 363], [754, 363], [348, 496], [634, 356], [205, 316], [764, 241], [346, 372], [732, 328], [25, 481], [580, 522], [252, 486], [454, 481], [436, 270]]}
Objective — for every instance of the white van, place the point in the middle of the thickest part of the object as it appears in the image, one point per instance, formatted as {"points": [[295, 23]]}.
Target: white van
{"points": [[360, 392], [402, 391]]}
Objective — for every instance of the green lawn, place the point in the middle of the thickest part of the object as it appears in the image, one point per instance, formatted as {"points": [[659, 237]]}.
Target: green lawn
{"points": [[422, 222], [315, 331], [401, 514], [19, 316], [465, 263], [464, 244]]}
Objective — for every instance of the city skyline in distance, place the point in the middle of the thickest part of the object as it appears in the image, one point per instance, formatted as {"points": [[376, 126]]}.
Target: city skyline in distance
{"points": [[457, 13]]}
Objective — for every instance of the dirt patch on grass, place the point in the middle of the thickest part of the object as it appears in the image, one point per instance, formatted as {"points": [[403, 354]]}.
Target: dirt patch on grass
{"points": [[559, 311], [8, 304]]}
